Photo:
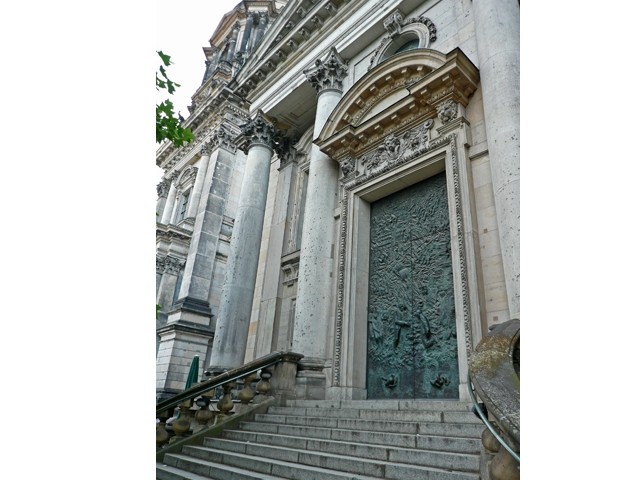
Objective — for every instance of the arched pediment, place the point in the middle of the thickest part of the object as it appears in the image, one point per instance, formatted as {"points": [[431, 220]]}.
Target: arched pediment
{"points": [[398, 93]]}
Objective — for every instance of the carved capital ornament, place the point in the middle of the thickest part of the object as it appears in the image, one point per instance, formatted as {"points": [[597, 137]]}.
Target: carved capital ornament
{"points": [[260, 131], [327, 74]]}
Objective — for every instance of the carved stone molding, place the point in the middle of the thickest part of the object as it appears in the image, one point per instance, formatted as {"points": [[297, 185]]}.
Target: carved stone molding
{"points": [[160, 261], [348, 165], [328, 74], [172, 265], [447, 111]]}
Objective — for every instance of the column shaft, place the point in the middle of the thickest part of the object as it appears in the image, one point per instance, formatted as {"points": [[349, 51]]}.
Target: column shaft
{"points": [[315, 282], [498, 35], [232, 324]]}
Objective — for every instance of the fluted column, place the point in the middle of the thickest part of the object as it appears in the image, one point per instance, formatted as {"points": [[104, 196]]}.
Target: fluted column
{"points": [[234, 314], [169, 205], [194, 201], [314, 305], [498, 35]]}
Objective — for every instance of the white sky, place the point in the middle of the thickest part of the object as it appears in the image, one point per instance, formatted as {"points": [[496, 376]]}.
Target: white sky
{"points": [[182, 29]]}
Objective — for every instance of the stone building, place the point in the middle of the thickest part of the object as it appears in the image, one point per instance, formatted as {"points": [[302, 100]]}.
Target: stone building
{"points": [[352, 195]]}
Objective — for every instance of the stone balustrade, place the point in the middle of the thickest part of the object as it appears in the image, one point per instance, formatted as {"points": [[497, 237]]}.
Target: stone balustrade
{"points": [[213, 400]]}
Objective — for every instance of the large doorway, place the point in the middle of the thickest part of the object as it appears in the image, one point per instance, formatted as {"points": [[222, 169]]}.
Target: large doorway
{"points": [[411, 334]]}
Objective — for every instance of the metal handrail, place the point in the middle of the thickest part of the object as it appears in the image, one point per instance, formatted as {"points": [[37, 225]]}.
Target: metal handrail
{"points": [[225, 377], [485, 420]]}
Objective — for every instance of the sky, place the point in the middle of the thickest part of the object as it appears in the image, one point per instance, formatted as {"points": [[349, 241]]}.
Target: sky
{"points": [[182, 29]]}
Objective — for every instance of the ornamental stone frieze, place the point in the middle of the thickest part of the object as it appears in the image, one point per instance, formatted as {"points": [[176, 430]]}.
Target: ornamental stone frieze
{"points": [[328, 74], [260, 131], [395, 148]]}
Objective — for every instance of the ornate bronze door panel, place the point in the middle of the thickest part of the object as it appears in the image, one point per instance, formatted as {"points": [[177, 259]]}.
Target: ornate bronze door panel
{"points": [[411, 345]]}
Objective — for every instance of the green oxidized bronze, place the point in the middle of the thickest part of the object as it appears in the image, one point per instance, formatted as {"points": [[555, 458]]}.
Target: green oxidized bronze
{"points": [[412, 347]]}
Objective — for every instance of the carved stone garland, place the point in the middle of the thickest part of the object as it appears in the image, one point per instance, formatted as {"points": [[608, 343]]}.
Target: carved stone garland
{"points": [[400, 159]]}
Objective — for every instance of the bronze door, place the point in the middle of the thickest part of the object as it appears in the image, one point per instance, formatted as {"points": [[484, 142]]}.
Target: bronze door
{"points": [[411, 339]]}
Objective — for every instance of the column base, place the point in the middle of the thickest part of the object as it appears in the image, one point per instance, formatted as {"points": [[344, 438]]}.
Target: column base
{"points": [[311, 379]]}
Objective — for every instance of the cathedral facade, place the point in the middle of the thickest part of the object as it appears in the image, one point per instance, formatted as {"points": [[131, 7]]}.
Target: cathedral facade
{"points": [[352, 194]]}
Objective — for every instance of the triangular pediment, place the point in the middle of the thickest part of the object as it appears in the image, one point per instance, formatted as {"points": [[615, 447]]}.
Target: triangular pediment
{"points": [[395, 95]]}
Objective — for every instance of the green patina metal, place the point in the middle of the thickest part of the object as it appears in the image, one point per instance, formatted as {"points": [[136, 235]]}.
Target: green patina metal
{"points": [[411, 345]]}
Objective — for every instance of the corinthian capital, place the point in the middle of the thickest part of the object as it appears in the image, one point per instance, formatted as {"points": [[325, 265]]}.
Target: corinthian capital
{"points": [[328, 74], [259, 131], [162, 188]]}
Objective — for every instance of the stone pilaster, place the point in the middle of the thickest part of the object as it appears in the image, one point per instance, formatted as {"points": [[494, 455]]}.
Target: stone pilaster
{"points": [[193, 299], [232, 42], [498, 35], [194, 201], [248, 26], [171, 270], [314, 306], [232, 324]]}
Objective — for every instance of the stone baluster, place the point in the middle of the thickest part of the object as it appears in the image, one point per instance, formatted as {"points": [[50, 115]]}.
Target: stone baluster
{"points": [[225, 404], [247, 393], [314, 308], [205, 414], [162, 436], [182, 424], [234, 314]]}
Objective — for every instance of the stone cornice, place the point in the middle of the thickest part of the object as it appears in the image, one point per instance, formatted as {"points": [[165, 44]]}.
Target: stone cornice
{"points": [[170, 232], [429, 78]]}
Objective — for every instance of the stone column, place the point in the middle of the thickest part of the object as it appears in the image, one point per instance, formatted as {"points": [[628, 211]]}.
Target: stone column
{"points": [[170, 203], [167, 286], [234, 314], [162, 189], [194, 201], [497, 25], [314, 305]]}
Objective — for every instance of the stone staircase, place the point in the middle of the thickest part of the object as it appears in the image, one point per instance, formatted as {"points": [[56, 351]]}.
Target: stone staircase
{"points": [[338, 440]]}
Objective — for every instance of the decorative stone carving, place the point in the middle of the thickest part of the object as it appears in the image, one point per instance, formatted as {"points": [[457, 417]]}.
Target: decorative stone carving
{"points": [[173, 265], [328, 73], [447, 111], [395, 147], [260, 131], [220, 138], [347, 165], [162, 188], [160, 265], [396, 23]]}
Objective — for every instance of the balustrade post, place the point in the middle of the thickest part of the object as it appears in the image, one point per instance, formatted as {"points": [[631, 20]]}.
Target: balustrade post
{"points": [[162, 436], [284, 378], [263, 387], [225, 404], [205, 414]]}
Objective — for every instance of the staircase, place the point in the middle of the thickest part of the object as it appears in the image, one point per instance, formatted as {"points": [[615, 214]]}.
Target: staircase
{"points": [[338, 440]]}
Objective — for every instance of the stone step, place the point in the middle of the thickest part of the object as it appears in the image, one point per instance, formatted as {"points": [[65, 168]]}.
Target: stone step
{"points": [[436, 405], [215, 472], [262, 468], [284, 461], [435, 443], [375, 438], [429, 458], [415, 427], [373, 414]]}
